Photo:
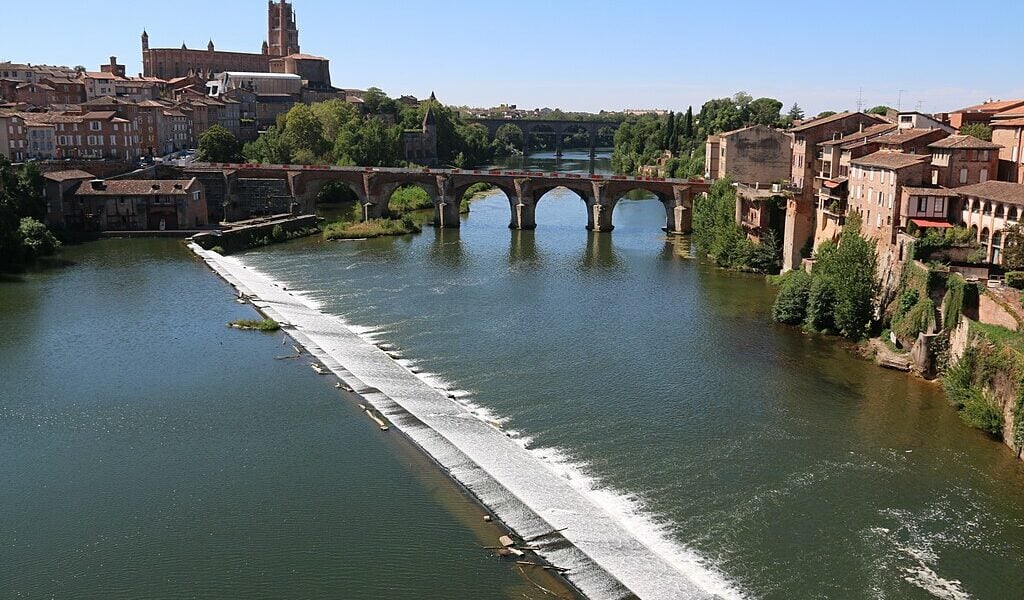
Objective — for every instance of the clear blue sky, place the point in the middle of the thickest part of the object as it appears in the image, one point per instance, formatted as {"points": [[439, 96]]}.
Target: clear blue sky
{"points": [[579, 54]]}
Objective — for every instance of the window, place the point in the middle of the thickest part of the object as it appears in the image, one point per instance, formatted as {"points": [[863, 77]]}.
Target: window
{"points": [[984, 156], [963, 175], [881, 199], [94, 125], [984, 176], [1013, 154], [878, 220], [195, 196], [940, 206], [892, 199], [922, 205]]}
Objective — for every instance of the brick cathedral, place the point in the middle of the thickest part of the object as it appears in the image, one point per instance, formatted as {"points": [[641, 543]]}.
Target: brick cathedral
{"points": [[282, 41]]}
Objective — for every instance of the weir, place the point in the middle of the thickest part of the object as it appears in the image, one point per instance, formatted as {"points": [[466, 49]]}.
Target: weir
{"points": [[606, 557]]}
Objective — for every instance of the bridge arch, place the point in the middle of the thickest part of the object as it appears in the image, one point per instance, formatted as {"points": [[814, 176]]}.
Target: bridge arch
{"points": [[313, 183], [666, 198]]}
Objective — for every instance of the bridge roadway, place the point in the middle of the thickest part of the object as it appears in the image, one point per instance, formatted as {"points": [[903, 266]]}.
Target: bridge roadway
{"points": [[446, 187]]}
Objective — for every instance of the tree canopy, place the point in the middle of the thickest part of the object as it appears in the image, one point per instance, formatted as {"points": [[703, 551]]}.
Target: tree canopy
{"points": [[217, 144], [978, 130], [23, 237]]}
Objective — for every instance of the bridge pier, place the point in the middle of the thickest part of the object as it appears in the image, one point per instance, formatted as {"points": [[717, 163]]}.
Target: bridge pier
{"points": [[447, 213], [599, 216], [524, 216]]}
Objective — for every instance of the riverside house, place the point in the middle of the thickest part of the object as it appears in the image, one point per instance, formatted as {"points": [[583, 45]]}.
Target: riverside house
{"points": [[133, 205]]}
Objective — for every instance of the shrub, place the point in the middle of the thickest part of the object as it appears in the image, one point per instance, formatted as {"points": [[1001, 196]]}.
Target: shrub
{"points": [[1015, 279], [256, 324], [218, 250], [278, 234], [36, 239], [791, 303]]}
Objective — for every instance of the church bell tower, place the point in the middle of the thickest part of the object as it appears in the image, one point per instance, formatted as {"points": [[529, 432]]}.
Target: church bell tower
{"points": [[282, 30]]}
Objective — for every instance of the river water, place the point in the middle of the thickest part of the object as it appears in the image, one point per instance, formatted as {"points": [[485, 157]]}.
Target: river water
{"points": [[658, 383], [146, 451]]}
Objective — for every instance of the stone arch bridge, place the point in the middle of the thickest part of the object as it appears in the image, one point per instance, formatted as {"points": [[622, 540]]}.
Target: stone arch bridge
{"points": [[446, 188], [556, 127]]}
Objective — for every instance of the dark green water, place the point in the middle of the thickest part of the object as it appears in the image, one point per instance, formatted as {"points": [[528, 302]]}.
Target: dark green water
{"points": [[796, 469], [147, 451]]}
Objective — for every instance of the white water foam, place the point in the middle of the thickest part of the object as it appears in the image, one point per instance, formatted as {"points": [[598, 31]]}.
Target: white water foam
{"points": [[616, 544]]}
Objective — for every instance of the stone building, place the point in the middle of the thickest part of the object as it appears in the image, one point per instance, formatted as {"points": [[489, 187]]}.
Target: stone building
{"points": [[282, 40], [1008, 133], [13, 137], [751, 155], [987, 209], [421, 144], [980, 113], [314, 71], [912, 141], [876, 191], [801, 212], [960, 160], [832, 177], [137, 204]]}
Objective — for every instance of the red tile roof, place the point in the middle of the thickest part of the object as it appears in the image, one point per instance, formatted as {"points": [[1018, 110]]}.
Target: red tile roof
{"points": [[891, 160], [137, 187], [1001, 191], [964, 142]]}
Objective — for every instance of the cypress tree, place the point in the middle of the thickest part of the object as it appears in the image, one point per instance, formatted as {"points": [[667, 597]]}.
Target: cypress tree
{"points": [[688, 128], [670, 131]]}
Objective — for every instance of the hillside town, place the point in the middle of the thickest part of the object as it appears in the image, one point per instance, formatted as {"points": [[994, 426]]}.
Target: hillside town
{"points": [[900, 171]]}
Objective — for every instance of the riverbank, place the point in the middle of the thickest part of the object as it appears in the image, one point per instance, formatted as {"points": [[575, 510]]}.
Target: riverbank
{"points": [[566, 525]]}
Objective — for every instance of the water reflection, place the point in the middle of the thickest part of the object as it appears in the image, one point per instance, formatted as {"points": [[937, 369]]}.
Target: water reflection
{"points": [[600, 254], [523, 248], [447, 250]]}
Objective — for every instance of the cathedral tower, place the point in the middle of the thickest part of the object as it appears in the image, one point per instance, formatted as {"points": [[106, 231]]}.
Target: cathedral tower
{"points": [[282, 31]]}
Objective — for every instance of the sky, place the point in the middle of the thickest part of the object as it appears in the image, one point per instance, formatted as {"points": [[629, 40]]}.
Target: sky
{"points": [[934, 56]]}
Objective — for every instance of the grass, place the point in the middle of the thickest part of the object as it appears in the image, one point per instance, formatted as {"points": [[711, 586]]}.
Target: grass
{"points": [[256, 324], [373, 228], [1000, 335], [410, 198]]}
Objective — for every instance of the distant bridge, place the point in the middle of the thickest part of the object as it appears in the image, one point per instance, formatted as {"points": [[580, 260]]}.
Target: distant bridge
{"points": [[556, 127], [447, 187]]}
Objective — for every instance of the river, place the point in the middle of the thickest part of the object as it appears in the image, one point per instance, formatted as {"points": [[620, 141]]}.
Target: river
{"points": [[792, 467], [148, 451]]}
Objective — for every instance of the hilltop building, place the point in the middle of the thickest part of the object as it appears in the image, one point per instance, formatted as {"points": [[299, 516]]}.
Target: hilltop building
{"points": [[282, 40]]}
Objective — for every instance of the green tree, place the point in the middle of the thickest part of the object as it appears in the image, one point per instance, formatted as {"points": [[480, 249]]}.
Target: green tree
{"points": [[764, 111], [333, 115], [1013, 248], [881, 109], [688, 131], [217, 144], [825, 113], [270, 147], [22, 209], [721, 114], [795, 112], [844, 284], [670, 131], [790, 305], [370, 143], [304, 131], [978, 130], [376, 102], [508, 139]]}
